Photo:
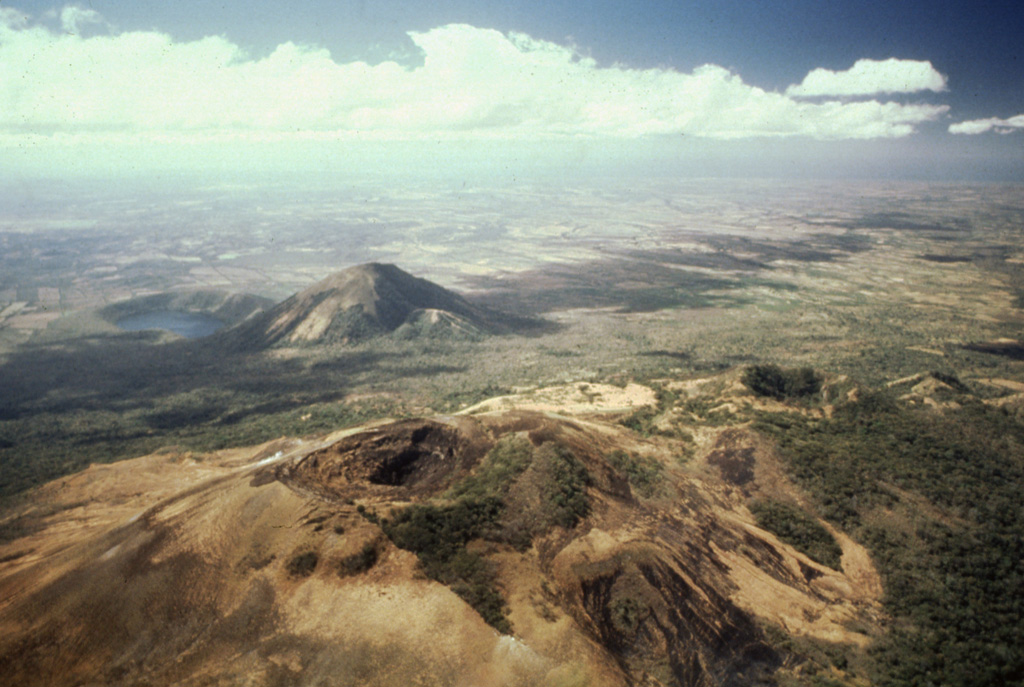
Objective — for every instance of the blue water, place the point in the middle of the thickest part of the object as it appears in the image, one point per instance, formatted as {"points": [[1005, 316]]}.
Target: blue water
{"points": [[191, 325]]}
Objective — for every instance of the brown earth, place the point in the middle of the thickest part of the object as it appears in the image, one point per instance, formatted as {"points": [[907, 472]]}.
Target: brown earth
{"points": [[229, 568]]}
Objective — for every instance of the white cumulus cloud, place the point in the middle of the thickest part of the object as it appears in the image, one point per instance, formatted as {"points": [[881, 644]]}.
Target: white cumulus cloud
{"points": [[473, 84], [981, 126], [871, 77], [72, 18]]}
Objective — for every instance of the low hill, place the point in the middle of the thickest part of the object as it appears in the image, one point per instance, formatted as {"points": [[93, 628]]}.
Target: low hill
{"points": [[229, 308], [365, 301]]}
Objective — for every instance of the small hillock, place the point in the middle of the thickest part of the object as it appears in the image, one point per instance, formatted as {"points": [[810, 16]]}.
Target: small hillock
{"points": [[229, 308]]}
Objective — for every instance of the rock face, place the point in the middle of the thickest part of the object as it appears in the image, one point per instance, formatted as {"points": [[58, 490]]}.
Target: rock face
{"points": [[280, 564], [365, 301]]}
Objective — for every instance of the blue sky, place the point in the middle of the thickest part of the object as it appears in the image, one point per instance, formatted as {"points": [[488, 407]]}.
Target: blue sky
{"points": [[929, 90], [771, 44]]}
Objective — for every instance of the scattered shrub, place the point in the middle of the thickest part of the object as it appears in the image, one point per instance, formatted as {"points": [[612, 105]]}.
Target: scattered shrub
{"points": [[626, 614], [438, 536], [359, 562], [438, 533], [368, 515], [641, 420], [952, 381], [643, 474], [507, 460], [303, 564]]}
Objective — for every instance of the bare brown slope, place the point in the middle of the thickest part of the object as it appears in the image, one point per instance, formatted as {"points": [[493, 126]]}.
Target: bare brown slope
{"points": [[238, 568]]}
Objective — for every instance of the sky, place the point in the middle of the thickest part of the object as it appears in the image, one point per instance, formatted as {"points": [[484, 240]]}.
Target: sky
{"points": [[920, 90]]}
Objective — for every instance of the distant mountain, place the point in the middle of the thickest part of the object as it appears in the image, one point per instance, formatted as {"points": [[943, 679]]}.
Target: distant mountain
{"points": [[365, 301]]}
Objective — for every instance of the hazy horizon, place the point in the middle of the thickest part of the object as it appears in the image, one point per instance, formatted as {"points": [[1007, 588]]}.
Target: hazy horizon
{"points": [[482, 90]]}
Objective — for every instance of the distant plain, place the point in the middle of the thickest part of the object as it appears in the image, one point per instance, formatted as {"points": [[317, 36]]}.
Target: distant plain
{"points": [[637, 281]]}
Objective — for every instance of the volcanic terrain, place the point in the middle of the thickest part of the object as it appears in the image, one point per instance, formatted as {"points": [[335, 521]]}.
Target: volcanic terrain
{"points": [[496, 547]]}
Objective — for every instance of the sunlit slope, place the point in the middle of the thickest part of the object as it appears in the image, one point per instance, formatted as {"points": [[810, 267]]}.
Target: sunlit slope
{"points": [[365, 301], [498, 548]]}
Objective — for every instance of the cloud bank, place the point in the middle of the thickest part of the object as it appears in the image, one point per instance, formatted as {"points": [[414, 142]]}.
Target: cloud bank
{"points": [[473, 84], [871, 77], [981, 126], [73, 18]]}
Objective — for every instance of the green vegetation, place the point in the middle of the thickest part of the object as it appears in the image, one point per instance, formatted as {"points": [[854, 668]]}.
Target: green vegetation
{"points": [[824, 664], [437, 532], [645, 420], [500, 467], [626, 614], [93, 396], [643, 473], [934, 496], [798, 529], [952, 571], [781, 383], [360, 561], [45, 446], [109, 397], [641, 420], [565, 491], [438, 535], [303, 564], [488, 505]]}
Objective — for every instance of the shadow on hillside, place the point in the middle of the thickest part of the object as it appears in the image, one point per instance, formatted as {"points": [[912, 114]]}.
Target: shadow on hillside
{"points": [[649, 280], [130, 371], [623, 285]]}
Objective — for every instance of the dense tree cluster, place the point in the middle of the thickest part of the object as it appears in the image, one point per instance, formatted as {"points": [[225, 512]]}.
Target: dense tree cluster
{"points": [[781, 383], [798, 529], [953, 572]]}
